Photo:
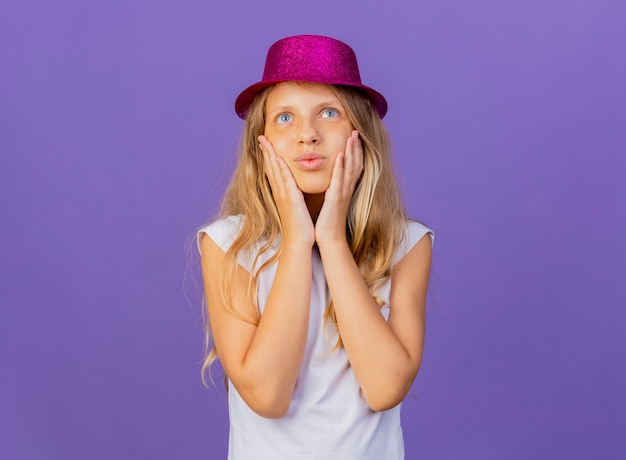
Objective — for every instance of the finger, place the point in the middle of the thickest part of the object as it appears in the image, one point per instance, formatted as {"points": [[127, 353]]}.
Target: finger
{"points": [[357, 152], [279, 166], [352, 162], [282, 176], [266, 159], [357, 158], [271, 168], [266, 147], [285, 172], [349, 158], [337, 177], [281, 169]]}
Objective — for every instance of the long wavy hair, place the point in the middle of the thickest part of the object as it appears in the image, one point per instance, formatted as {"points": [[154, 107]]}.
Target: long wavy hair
{"points": [[376, 217]]}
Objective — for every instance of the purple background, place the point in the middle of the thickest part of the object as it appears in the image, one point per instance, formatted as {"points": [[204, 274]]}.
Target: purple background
{"points": [[117, 134]]}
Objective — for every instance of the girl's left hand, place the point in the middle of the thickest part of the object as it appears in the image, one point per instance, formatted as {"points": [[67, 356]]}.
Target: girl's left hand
{"points": [[331, 222]]}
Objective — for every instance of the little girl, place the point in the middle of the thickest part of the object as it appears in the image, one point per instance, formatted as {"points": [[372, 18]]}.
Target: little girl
{"points": [[315, 279]]}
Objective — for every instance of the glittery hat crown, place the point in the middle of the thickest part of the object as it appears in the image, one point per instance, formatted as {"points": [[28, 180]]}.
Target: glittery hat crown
{"points": [[310, 58]]}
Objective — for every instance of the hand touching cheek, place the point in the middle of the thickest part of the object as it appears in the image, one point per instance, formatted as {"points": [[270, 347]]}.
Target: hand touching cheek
{"points": [[331, 223]]}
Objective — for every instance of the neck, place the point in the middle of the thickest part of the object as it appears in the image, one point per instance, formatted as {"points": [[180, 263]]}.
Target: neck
{"points": [[314, 204]]}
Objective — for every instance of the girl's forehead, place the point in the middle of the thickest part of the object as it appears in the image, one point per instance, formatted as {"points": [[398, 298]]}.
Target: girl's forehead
{"points": [[291, 92], [289, 88]]}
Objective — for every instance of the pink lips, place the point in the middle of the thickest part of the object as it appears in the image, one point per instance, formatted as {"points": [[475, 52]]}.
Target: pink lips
{"points": [[310, 161]]}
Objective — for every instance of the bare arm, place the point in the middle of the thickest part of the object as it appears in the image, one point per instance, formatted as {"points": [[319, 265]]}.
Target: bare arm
{"points": [[385, 356], [263, 361]]}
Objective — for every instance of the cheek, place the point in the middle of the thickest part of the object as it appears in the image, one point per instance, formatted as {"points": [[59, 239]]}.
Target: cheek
{"points": [[339, 140], [278, 140], [334, 157]]}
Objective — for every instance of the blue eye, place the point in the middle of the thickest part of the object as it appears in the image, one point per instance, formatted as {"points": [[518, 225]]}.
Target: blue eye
{"points": [[330, 113], [283, 118]]}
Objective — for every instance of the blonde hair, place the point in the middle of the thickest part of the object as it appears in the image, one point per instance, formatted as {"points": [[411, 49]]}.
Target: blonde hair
{"points": [[376, 218]]}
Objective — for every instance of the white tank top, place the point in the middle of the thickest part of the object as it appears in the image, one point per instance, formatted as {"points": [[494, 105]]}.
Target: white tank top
{"points": [[328, 418]]}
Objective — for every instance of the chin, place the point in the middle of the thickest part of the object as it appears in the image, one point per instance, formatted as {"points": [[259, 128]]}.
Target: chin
{"points": [[313, 189], [313, 184]]}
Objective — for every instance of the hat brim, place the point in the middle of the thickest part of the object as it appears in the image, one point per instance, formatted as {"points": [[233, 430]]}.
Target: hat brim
{"points": [[246, 97]]}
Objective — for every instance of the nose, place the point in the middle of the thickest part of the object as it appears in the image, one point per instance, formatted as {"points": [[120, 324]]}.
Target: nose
{"points": [[308, 133]]}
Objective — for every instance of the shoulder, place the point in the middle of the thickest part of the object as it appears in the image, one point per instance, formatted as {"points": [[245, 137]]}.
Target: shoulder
{"points": [[223, 231], [416, 231], [413, 234]]}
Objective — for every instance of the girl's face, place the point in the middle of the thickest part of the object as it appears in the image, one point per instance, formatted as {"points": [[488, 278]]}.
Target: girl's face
{"points": [[308, 127]]}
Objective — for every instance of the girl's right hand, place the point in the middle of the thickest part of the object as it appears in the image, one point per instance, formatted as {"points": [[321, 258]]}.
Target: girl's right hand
{"points": [[294, 214]]}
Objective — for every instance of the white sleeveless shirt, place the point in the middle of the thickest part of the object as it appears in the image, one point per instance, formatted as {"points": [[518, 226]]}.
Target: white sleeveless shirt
{"points": [[328, 418]]}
